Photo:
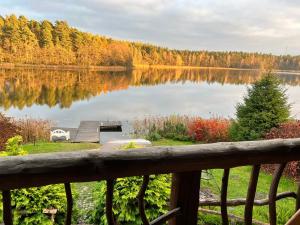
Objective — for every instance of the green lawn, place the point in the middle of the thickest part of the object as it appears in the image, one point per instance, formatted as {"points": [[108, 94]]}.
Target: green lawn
{"points": [[238, 184], [168, 142], [47, 147]]}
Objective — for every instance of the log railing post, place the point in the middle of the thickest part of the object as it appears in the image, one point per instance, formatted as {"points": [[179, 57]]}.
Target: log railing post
{"points": [[185, 195], [7, 210]]}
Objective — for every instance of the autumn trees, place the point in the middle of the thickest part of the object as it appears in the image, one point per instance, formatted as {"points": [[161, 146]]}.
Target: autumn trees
{"points": [[44, 42]]}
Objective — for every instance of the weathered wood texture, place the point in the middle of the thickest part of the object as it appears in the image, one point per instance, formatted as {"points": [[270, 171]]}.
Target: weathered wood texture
{"points": [[242, 201], [43, 169], [164, 218], [224, 197], [295, 220], [185, 162], [109, 202], [232, 216], [251, 194], [273, 193], [88, 131], [7, 210], [69, 198], [141, 201], [185, 195]]}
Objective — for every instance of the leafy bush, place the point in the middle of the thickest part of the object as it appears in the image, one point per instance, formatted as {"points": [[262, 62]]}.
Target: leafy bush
{"points": [[130, 145], [176, 131], [264, 107], [290, 129], [171, 127], [31, 130], [153, 136], [291, 169], [125, 202], [13, 147], [28, 204], [209, 130], [7, 130]]}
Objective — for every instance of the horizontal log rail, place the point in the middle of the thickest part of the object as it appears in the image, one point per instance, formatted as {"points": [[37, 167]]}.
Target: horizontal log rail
{"points": [[184, 162], [242, 201]]}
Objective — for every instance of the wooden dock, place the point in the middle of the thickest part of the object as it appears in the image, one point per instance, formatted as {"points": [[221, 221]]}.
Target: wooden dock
{"points": [[89, 131]]}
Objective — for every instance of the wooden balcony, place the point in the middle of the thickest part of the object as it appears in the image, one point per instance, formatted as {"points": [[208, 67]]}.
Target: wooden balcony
{"points": [[184, 162]]}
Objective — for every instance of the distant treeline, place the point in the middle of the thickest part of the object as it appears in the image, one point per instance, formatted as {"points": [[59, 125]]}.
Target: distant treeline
{"points": [[32, 42]]}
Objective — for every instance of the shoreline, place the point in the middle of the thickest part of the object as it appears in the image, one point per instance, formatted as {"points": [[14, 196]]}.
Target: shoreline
{"points": [[135, 67], [62, 67]]}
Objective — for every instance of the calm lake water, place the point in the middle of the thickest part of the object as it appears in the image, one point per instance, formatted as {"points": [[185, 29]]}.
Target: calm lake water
{"points": [[67, 97]]}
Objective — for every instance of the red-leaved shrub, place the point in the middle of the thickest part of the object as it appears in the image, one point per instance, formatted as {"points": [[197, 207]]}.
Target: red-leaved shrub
{"points": [[291, 170], [209, 130], [289, 129], [7, 130]]}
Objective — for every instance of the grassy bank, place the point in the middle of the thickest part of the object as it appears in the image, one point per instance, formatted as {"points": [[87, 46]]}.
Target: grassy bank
{"points": [[48, 147], [169, 142]]}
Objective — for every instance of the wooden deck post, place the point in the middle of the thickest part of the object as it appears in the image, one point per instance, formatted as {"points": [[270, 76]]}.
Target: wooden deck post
{"points": [[185, 195], [7, 210]]}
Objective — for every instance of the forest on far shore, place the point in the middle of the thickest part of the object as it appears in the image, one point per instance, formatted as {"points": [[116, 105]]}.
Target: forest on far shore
{"points": [[25, 41]]}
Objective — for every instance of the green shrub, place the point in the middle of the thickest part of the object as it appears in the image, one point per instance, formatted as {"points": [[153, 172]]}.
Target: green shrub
{"points": [[125, 202], [153, 133], [130, 145], [264, 107], [170, 130], [153, 136], [170, 127], [28, 204], [13, 147], [8, 129]]}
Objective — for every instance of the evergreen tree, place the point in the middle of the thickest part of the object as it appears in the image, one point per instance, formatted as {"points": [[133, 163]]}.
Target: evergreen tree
{"points": [[62, 34], [264, 107], [35, 28], [1, 25], [46, 38], [10, 33], [25, 34]]}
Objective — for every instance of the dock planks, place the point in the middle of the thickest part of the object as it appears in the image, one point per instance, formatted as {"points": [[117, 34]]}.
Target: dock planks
{"points": [[88, 131]]}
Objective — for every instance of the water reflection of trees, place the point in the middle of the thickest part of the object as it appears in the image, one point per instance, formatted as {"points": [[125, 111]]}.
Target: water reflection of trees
{"points": [[20, 88]]}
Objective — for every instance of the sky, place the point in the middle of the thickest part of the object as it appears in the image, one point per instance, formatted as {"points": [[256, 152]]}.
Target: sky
{"points": [[269, 26]]}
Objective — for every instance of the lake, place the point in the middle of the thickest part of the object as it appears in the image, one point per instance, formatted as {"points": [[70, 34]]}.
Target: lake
{"points": [[66, 97]]}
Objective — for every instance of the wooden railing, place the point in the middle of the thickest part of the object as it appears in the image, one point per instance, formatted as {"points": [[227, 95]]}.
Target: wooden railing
{"points": [[184, 162]]}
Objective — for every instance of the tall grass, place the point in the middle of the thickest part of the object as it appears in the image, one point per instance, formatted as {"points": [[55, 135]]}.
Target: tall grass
{"points": [[183, 128], [144, 126], [31, 130]]}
